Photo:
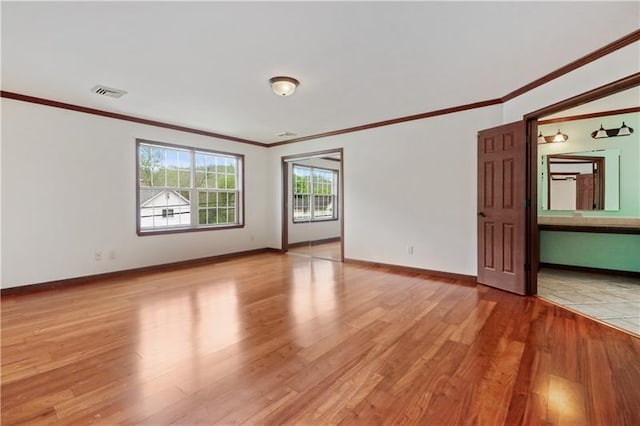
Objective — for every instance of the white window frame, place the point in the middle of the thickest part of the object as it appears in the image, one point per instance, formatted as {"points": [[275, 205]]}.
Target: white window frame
{"points": [[312, 195], [194, 205]]}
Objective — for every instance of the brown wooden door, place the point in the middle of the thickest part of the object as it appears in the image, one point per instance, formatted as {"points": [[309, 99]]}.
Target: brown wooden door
{"points": [[501, 207], [585, 192]]}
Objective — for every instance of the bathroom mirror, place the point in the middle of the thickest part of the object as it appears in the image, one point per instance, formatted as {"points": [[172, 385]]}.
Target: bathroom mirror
{"points": [[587, 180]]}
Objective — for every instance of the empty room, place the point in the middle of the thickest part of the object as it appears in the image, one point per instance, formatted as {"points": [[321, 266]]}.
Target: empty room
{"points": [[319, 213]]}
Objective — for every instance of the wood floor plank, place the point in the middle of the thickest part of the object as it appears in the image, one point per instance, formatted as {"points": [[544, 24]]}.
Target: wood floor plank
{"points": [[278, 339]]}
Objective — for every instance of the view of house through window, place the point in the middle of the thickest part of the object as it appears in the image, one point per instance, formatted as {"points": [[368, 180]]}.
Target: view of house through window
{"points": [[314, 194], [187, 188]]}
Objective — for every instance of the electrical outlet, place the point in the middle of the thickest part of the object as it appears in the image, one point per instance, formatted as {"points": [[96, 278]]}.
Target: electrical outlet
{"points": [[97, 255]]}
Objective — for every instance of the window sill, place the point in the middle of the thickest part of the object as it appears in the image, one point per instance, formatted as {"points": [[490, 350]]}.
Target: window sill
{"points": [[185, 230], [299, 222]]}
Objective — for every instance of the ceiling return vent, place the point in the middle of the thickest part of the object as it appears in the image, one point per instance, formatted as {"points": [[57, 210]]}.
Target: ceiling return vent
{"points": [[285, 134], [107, 91]]}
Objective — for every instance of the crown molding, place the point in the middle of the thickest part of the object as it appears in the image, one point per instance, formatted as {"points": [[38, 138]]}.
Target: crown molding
{"points": [[578, 63], [124, 117], [420, 116], [590, 115]]}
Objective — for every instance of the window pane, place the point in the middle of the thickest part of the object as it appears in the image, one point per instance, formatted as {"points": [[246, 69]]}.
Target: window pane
{"points": [[211, 163], [173, 179], [211, 180], [201, 162], [323, 206], [171, 159], [185, 178], [301, 207], [313, 193], [201, 180], [231, 182], [222, 181], [184, 160], [222, 216], [145, 176], [222, 199], [231, 166]]}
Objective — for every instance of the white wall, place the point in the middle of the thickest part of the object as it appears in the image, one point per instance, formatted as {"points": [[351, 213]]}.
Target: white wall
{"points": [[312, 231], [408, 184], [68, 189]]}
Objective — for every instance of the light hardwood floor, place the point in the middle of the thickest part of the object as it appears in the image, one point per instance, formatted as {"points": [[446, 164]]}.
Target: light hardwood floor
{"points": [[273, 339]]}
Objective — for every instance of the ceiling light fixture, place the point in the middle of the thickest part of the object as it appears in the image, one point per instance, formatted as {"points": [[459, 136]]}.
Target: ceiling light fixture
{"points": [[283, 86]]}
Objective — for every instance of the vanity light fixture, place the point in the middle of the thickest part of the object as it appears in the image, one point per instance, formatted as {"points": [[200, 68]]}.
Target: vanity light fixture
{"points": [[623, 130], [283, 86], [600, 133], [541, 139], [558, 137]]}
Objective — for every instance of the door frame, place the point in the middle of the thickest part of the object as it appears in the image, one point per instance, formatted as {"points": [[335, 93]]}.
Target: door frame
{"points": [[532, 236], [284, 212]]}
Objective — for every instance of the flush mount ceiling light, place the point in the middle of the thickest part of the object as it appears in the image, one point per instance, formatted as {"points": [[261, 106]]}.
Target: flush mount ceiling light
{"points": [[558, 137], [283, 86], [623, 130]]}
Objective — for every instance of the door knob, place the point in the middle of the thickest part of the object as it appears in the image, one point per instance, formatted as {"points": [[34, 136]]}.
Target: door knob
{"points": [[481, 214]]}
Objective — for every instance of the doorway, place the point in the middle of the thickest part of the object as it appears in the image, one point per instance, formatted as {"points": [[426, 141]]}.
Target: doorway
{"points": [[532, 194], [583, 247], [312, 205]]}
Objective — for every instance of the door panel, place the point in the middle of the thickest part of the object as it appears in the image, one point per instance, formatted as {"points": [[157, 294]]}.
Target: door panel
{"points": [[501, 207], [585, 192]]}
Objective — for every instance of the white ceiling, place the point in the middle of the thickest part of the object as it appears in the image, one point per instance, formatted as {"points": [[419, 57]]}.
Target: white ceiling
{"points": [[206, 64]]}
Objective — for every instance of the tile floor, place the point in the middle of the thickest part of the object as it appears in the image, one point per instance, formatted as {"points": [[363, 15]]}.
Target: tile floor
{"points": [[608, 298]]}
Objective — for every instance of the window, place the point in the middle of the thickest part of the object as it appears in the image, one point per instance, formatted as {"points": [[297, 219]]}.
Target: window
{"points": [[315, 193], [186, 189]]}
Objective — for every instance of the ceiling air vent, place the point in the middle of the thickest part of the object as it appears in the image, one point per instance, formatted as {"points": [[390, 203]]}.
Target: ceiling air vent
{"points": [[285, 134], [107, 91]]}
